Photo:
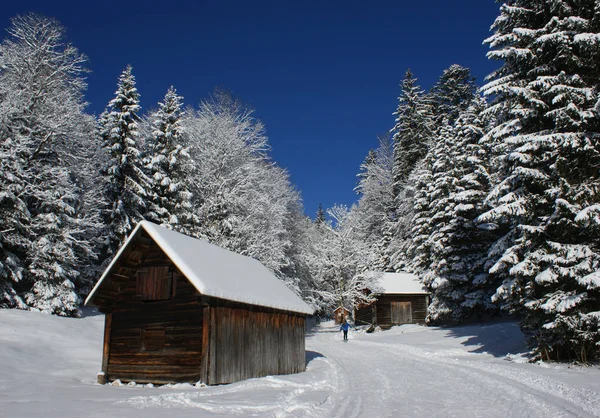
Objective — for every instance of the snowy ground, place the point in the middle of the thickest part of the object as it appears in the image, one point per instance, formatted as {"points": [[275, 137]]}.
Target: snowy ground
{"points": [[48, 368]]}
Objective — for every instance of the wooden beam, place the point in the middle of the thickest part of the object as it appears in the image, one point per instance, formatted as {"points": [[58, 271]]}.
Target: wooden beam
{"points": [[205, 364], [106, 349]]}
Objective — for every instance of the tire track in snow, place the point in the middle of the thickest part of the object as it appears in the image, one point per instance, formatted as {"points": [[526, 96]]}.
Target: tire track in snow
{"points": [[375, 379], [361, 390], [572, 401]]}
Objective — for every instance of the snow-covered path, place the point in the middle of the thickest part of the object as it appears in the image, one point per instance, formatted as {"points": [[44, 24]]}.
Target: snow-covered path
{"points": [[48, 366], [383, 379]]}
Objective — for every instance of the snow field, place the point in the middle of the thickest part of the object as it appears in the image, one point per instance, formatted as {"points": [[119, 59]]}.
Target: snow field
{"points": [[48, 369]]}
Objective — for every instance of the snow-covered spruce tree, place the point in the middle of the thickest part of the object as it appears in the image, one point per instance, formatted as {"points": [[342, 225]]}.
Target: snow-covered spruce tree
{"points": [[547, 103], [14, 223], [452, 94], [413, 133], [341, 273], [128, 189], [375, 211], [456, 266], [47, 238], [169, 165], [415, 219], [320, 215]]}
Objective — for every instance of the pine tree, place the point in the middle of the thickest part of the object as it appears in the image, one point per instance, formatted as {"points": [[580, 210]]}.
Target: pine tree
{"points": [[297, 273], [169, 160], [414, 254], [452, 94], [412, 132], [128, 189], [455, 270], [320, 216], [14, 222], [547, 103], [47, 237]]}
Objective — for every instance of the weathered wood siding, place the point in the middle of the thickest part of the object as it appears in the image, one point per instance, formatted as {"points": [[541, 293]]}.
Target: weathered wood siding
{"points": [[150, 340], [418, 306], [246, 344], [159, 331], [363, 315], [158, 342]]}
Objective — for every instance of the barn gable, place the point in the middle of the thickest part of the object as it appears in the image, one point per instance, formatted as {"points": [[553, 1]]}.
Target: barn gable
{"points": [[212, 270]]}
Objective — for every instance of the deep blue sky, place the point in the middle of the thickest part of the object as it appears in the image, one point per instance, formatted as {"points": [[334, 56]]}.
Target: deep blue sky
{"points": [[322, 75]]}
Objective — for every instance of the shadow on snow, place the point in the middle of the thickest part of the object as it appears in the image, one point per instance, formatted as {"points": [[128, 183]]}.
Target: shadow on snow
{"points": [[311, 355], [497, 338]]}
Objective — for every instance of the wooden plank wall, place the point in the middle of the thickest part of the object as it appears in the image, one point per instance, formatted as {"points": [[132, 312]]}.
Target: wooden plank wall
{"points": [[152, 341], [158, 342], [363, 315], [418, 305], [154, 283], [246, 344]]}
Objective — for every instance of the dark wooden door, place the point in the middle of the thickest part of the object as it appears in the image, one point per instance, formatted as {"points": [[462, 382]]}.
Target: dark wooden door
{"points": [[401, 312]]}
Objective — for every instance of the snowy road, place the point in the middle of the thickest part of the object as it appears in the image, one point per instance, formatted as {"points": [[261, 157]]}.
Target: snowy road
{"points": [[381, 379], [408, 371]]}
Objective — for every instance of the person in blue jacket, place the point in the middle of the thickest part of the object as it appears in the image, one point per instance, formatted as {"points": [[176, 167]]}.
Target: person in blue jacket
{"points": [[345, 327]]}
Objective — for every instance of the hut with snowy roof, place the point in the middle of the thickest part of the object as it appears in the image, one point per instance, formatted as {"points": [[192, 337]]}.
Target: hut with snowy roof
{"points": [[179, 309], [400, 299], [340, 314]]}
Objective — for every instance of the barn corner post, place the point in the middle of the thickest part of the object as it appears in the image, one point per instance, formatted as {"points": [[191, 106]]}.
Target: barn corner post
{"points": [[103, 377], [374, 314], [205, 363]]}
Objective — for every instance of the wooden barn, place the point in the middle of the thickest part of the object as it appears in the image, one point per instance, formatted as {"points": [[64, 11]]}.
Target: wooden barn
{"points": [[340, 313], [401, 299], [180, 309]]}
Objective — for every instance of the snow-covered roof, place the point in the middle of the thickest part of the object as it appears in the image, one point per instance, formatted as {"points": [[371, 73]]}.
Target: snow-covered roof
{"points": [[401, 283], [217, 272]]}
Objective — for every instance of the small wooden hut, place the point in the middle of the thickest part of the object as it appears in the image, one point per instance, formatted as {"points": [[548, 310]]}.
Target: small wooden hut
{"points": [[340, 313], [180, 309], [400, 299]]}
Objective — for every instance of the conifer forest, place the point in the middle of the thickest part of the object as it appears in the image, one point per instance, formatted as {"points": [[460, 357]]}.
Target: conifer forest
{"points": [[488, 190]]}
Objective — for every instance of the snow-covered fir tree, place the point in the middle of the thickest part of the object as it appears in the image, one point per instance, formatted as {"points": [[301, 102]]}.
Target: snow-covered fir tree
{"points": [[415, 223], [128, 189], [413, 130], [455, 265], [14, 223], [412, 136], [547, 104], [48, 236], [169, 165], [452, 94], [320, 215]]}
